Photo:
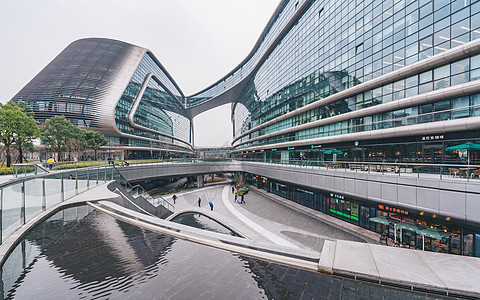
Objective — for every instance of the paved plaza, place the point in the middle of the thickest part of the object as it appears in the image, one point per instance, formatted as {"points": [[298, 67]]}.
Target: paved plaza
{"points": [[264, 217], [345, 249]]}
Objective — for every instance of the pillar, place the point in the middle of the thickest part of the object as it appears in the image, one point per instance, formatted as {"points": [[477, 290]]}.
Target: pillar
{"points": [[200, 181]]}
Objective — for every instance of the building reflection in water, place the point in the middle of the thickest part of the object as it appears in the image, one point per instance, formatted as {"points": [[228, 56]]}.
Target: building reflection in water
{"points": [[79, 253]]}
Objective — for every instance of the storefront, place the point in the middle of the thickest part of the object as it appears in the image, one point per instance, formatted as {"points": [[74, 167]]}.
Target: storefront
{"points": [[464, 239]]}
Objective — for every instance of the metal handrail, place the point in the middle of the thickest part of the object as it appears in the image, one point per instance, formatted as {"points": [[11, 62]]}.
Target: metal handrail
{"points": [[467, 171], [154, 201], [17, 204]]}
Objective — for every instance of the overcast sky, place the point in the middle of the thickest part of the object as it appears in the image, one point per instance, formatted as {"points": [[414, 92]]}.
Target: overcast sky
{"points": [[197, 41]]}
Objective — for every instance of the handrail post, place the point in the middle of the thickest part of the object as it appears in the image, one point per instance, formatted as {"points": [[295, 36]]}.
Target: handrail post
{"points": [[76, 182], [105, 175], [97, 174], [62, 189], [22, 208], [88, 179], [1, 216], [44, 196]]}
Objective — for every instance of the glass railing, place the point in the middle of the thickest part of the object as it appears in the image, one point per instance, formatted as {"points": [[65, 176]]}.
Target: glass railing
{"points": [[159, 200], [23, 199], [138, 190], [440, 171], [29, 169]]}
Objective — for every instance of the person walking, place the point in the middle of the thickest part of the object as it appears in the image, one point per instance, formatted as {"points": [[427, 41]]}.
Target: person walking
{"points": [[233, 190], [174, 198], [211, 205], [242, 199], [236, 198], [199, 202], [50, 162]]}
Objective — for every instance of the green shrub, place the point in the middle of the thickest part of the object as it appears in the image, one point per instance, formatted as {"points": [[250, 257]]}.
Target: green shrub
{"points": [[243, 190], [170, 191], [6, 171]]}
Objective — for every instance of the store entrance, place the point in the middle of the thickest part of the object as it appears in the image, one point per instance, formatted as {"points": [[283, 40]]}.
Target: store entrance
{"points": [[433, 153]]}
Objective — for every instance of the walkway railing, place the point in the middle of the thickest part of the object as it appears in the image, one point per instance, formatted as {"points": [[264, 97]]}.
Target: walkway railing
{"points": [[29, 169], [138, 190], [438, 171], [430, 170], [23, 199]]}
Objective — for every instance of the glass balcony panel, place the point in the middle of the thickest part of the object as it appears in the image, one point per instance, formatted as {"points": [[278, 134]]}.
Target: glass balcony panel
{"points": [[11, 209], [69, 184], [82, 180], [53, 190], [33, 198]]}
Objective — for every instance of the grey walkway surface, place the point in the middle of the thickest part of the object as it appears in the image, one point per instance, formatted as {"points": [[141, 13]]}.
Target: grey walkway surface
{"points": [[342, 246], [287, 225]]}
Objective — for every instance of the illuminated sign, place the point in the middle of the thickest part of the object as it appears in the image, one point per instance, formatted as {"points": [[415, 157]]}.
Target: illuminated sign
{"points": [[343, 214], [341, 197], [393, 209], [432, 137]]}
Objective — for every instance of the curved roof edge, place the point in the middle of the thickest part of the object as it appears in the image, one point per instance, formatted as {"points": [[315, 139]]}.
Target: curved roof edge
{"points": [[275, 14], [147, 51]]}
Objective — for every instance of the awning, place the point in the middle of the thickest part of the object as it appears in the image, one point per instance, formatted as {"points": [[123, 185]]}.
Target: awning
{"points": [[435, 233], [383, 220], [332, 151], [466, 146], [409, 225]]}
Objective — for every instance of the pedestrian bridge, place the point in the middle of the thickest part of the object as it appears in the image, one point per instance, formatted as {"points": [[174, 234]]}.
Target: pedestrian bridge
{"points": [[434, 192]]}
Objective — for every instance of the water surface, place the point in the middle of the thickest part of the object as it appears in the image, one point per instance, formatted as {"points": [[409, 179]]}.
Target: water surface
{"points": [[203, 222], [83, 254]]}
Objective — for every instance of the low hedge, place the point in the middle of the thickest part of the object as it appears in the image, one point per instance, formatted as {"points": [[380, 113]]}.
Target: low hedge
{"points": [[170, 191], [243, 190], [6, 171]]}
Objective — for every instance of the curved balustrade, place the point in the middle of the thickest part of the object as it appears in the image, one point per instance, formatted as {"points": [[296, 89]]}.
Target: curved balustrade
{"points": [[24, 198], [438, 171]]}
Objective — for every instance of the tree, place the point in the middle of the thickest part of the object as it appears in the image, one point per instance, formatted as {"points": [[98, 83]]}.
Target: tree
{"points": [[15, 126], [94, 141], [25, 141], [60, 134], [57, 133], [239, 179]]}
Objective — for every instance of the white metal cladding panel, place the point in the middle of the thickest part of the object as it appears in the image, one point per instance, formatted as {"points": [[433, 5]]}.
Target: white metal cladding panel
{"points": [[390, 192], [452, 204], [427, 199], [472, 207]]}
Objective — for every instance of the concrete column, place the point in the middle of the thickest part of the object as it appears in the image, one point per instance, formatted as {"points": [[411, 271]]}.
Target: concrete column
{"points": [[200, 181]]}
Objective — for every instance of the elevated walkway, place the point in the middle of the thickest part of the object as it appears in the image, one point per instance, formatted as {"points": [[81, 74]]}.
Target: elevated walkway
{"points": [[438, 194]]}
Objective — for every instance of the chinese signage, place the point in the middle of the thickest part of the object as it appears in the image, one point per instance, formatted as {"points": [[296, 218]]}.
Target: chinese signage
{"points": [[341, 197], [393, 209], [432, 137]]}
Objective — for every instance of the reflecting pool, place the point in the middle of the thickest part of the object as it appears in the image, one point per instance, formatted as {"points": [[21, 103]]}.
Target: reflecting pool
{"points": [[203, 222], [79, 253]]}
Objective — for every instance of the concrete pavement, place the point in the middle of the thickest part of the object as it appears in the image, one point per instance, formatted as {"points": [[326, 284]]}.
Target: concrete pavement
{"points": [[344, 249]]}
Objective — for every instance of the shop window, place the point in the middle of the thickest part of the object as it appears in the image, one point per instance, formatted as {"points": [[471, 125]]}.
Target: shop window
{"points": [[477, 245], [468, 244]]}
